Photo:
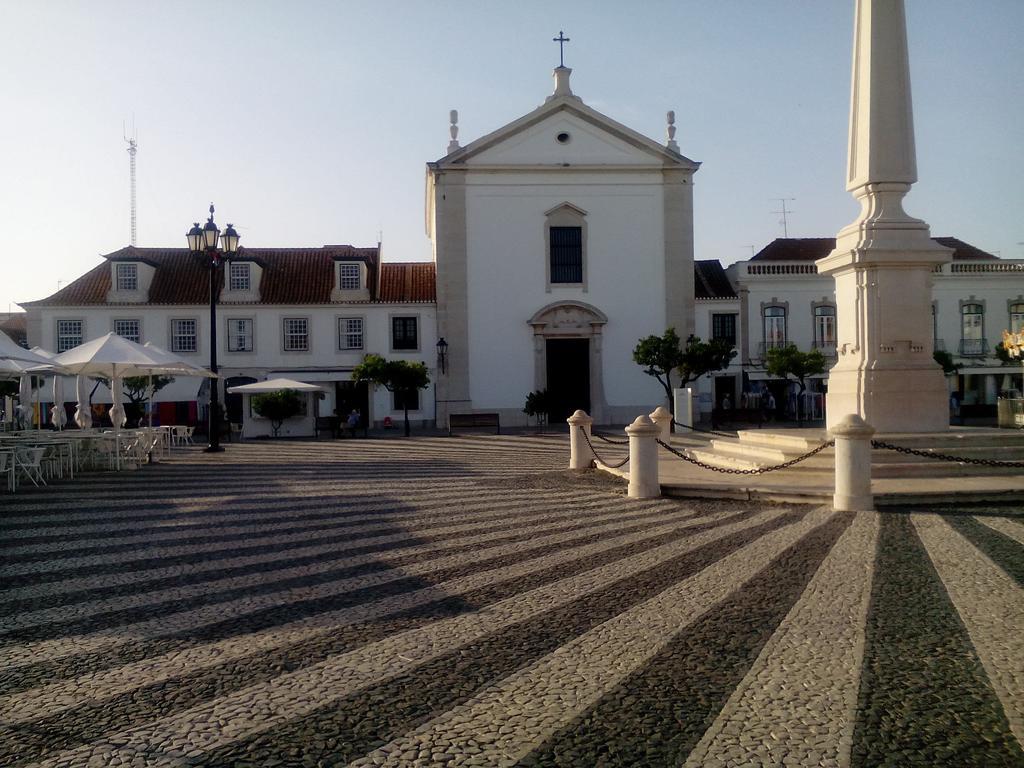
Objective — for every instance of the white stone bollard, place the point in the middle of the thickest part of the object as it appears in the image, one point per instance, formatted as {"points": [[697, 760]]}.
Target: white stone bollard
{"points": [[643, 459], [853, 465], [580, 454], [663, 419]]}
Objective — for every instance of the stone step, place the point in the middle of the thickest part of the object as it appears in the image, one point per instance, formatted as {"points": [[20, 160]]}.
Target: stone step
{"points": [[796, 444], [757, 453], [725, 462]]}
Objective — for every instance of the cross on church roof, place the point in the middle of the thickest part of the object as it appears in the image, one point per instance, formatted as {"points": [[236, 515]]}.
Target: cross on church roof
{"points": [[561, 40]]}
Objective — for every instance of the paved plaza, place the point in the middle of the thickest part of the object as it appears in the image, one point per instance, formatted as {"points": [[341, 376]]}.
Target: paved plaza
{"points": [[467, 601]]}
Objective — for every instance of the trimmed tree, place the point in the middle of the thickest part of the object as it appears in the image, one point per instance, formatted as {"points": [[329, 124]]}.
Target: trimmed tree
{"points": [[662, 355], [538, 404], [400, 377], [945, 360], [277, 406], [788, 361]]}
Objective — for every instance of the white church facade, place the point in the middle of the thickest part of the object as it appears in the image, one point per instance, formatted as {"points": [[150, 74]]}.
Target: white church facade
{"points": [[560, 239]]}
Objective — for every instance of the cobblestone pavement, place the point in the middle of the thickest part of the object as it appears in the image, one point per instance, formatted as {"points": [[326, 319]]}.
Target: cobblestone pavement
{"points": [[468, 602]]}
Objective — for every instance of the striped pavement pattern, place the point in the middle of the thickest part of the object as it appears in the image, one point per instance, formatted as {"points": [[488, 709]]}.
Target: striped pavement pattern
{"points": [[468, 601]]}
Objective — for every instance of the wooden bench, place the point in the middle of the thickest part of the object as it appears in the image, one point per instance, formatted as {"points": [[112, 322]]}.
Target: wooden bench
{"points": [[473, 421]]}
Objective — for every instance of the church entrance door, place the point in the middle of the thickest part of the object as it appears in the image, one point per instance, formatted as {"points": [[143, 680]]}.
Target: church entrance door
{"points": [[568, 377]]}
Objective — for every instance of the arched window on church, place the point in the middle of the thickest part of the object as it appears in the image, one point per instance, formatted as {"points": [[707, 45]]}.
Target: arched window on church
{"points": [[565, 235]]}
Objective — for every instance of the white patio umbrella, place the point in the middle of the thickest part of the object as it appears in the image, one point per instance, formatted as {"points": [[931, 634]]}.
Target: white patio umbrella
{"points": [[11, 351], [25, 400], [170, 363], [111, 357], [58, 416], [274, 385], [83, 413]]}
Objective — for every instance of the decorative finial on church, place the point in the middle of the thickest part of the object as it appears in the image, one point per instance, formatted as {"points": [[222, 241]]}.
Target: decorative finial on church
{"points": [[561, 72], [671, 130], [453, 129]]}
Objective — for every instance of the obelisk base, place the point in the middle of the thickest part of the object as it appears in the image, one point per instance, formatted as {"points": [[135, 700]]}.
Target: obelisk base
{"points": [[890, 399]]}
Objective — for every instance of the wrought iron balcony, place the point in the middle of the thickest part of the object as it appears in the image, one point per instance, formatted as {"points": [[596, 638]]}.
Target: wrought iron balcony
{"points": [[973, 347], [764, 346], [827, 348]]}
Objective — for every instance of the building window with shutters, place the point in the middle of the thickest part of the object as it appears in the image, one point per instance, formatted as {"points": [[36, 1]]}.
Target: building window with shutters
{"points": [[350, 333], [723, 327], [565, 242], [240, 336], [183, 336], [69, 334], [129, 329], [296, 334], [774, 319], [404, 334]]}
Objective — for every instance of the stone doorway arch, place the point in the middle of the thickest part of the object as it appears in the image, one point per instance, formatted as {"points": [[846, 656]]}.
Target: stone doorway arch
{"points": [[570, 320]]}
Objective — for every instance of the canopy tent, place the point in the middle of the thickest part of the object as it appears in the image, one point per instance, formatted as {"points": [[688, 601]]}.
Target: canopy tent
{"points": [[303, 425]]}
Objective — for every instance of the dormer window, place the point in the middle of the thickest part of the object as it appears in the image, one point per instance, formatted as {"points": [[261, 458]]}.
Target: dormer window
{"points": [[127, 277], [239, 276], [349, 277]]}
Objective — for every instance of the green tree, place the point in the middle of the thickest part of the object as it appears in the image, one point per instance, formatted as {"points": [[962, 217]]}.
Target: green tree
{"points": [[662, 355], [945, 360], [398, 376], [788, 361], [277, 406]]}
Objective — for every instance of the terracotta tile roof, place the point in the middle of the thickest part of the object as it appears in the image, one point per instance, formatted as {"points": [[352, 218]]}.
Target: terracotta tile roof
{"points": [[813, 248], [407, 282], [710, 281], [290, 276]]}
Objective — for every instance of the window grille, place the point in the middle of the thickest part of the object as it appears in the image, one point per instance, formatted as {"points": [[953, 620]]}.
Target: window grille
{"points": [[127, 277], [403, 333], [69, 334], [349, 277], [723, 327], [296, 334], [129, 329], [566, 254], [239, 277], [183, 336], [350, 333], [239, 335]]}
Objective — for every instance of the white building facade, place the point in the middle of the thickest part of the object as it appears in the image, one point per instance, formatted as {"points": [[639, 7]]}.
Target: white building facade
{"points": [[304, 314], [784, 300], [560, 240]]}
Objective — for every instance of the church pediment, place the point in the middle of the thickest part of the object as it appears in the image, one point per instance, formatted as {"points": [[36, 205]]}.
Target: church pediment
{"points": [[570, 318], [565, 132]]}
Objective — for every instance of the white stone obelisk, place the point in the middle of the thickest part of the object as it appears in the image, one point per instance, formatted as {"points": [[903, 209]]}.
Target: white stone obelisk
{"points": [[883, 261]]}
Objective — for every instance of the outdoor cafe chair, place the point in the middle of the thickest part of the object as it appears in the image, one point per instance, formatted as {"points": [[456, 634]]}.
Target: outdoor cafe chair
{"points": [[28, 461], [7, 468]]}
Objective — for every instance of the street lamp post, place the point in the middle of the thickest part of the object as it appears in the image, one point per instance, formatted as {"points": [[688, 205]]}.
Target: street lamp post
{"points": [[202, 241]]}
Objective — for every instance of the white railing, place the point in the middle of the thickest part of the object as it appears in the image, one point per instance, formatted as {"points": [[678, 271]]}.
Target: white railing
{"points": [[782, 269]]}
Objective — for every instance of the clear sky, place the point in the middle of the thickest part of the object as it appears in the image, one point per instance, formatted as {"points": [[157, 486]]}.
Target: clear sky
{"points": [[309, 123]]}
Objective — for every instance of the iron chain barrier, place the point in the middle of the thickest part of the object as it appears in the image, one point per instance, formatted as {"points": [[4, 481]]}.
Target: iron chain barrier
{"points": [[758, 471], [591, 446], [609, 440], [945, 456]]}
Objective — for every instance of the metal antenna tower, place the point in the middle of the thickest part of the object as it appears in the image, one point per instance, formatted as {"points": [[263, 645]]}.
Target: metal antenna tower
{"points": [[784, 212], [133, 147]]}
